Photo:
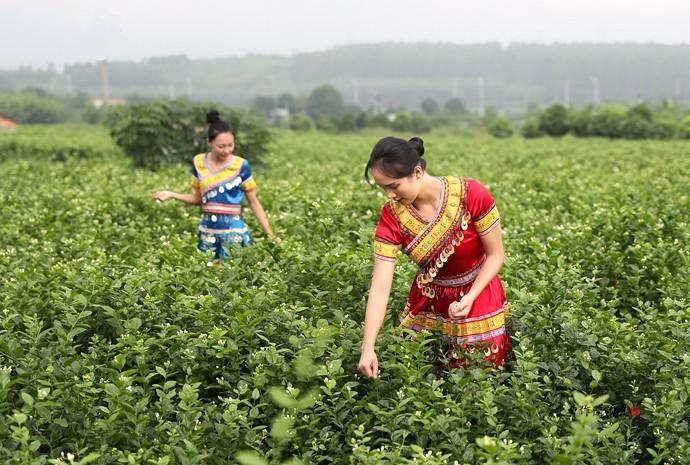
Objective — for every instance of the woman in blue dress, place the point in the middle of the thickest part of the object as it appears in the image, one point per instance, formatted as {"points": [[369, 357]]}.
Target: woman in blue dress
{"points": [[221, 180]]}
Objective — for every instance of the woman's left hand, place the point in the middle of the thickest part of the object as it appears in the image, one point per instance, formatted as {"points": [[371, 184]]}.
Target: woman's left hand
{"points": [[162, 196], [461, 308]]}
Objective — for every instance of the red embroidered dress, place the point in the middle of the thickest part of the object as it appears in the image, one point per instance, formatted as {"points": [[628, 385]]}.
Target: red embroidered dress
{"points": [[449, 252]]}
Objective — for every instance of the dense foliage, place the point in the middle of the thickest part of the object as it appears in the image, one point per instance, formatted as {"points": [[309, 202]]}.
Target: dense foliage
{"points": [[36, 106], [165, 132], [614, 121], [119, 345]]}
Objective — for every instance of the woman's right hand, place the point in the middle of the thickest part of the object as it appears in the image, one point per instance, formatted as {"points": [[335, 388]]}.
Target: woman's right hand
{"points": [[162, 196], [369, 364]]}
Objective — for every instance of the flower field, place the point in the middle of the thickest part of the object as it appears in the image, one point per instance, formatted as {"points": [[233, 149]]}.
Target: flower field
{"points": [[119, 345]]}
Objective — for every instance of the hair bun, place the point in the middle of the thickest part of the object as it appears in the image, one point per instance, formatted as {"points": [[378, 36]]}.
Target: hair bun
{"points": [[212, 117], [418, 144]]}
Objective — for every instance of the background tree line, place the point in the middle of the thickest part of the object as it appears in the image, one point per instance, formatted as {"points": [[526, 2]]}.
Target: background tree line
{"points": [[382, 75], [324, 109]]}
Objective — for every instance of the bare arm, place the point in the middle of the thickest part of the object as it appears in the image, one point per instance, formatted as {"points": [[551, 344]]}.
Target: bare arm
{"points": [[192, 199], [493, 246], [379, 292], [258, 211]]}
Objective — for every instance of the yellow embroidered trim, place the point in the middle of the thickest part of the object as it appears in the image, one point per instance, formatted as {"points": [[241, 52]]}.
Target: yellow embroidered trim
{"points": [[199, 165], [447, 218], [229, 172], [406, 218], [249, 184], [455, 329], [385, 250], [195, 183], [487, 220]]}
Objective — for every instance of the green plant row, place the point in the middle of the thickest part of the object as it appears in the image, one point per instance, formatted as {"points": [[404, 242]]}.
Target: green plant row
{"points": [[39, 143], [119, 345]]}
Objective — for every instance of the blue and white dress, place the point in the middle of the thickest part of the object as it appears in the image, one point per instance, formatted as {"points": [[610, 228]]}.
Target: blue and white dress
{"points": [[222, 191]]}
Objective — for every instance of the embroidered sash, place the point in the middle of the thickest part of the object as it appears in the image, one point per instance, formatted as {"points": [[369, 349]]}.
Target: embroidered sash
{"points": [[434, 242]]}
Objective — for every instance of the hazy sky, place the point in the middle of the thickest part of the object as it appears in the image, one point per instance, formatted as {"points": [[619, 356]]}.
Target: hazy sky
{"points": [[37, 32]]}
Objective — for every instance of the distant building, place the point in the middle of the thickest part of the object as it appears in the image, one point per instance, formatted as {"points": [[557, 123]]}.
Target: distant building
{"points": [[7, 124], [279, 116], [99, 102]]}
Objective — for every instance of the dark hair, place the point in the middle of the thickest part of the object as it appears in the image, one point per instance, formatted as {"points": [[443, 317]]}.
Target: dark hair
{"points": [[217, 125], [396, 157]]}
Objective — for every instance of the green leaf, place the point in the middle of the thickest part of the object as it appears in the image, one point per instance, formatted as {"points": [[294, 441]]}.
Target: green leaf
{"points": [[562, 459], [281, 398], [61, 422], [308, 399], [4, 379], [250, 458], [373, 408], [28, 399], [81, 300], [134, 324], [596, 374], [304, 366], [119, 361], [580, 398], [281, 427], [92, 457]]}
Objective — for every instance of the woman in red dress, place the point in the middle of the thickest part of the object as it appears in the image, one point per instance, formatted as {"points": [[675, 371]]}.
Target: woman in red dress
{"points": [[450, 228]]}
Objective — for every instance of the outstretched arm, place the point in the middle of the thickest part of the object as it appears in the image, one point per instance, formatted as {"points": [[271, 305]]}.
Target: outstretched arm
{"points": [[258, 211], [192, 199], [379, 292]]}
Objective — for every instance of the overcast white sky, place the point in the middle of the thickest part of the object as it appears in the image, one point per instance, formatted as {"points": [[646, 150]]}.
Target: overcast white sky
{"points": [[38, 32]]}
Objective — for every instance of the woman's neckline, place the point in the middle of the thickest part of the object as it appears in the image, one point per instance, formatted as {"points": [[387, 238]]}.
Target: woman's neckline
{"points": [[439, 207], [219, 168]]}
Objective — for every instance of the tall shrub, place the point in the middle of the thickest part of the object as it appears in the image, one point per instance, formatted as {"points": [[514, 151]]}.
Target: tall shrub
{"points": [[172, 131], [554, 121]]}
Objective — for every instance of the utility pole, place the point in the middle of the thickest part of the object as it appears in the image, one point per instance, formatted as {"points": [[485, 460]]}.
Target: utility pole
{"points": [[595, 90], [355, 91], [480, 81], [566, 92], [105, 87]]}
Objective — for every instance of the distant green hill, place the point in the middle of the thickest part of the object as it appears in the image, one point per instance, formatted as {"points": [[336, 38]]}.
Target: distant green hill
{"points": [[399, 74]]}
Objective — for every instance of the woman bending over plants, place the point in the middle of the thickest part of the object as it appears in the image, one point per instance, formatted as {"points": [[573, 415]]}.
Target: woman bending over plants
{"points": [[450, 228], [221, 180]]}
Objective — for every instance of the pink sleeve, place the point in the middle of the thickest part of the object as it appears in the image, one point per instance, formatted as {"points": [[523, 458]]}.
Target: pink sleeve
{"points": [[387, 238], [482, 207]]}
